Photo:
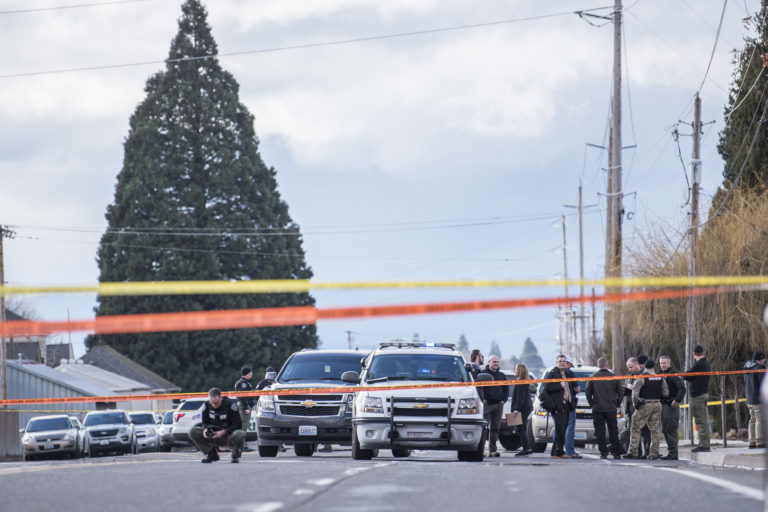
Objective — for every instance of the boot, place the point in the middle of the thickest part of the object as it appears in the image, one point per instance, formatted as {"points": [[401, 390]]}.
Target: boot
{"points": [[213, 456]]}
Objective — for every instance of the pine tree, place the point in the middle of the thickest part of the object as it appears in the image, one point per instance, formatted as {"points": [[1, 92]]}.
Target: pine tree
{"points": [[195, 201], [745, 116], [530, 356], [463, 346], [495, 350]]}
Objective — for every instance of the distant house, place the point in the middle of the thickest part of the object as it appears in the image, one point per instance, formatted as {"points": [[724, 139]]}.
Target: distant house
{"points": [[35, 348], [107, 358]]}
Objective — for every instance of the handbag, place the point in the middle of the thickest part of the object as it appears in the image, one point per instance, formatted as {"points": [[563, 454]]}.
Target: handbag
{"points": [[545, 400], [514, 418]]}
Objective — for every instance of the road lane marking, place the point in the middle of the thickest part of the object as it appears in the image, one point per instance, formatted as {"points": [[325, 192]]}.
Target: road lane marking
{"points": [[303, 492], [320, 482], [749, 492], [260, 507], [20, 470]]}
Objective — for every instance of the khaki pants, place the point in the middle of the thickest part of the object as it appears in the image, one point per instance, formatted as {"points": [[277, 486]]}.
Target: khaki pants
{"points": [[755, 424], [236, 440], [701, 417], [650, 415]]}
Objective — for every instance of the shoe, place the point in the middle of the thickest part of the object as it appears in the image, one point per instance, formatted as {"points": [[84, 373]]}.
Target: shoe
{"points": [[631, 456], [700, 449], [566, 456], [575, 456], [235, 460], [617, 456], [760, 445], [246, 449], [523, 453], [669, 456], [213, 456], [494, 454], [603, 455], [654, 457]]}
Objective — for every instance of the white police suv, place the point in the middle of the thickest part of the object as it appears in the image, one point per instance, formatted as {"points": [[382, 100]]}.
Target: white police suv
{"points": [[439, 418]]}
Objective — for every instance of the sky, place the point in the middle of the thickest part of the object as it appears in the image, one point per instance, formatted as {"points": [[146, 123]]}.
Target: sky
{"points": [[437, 155]]}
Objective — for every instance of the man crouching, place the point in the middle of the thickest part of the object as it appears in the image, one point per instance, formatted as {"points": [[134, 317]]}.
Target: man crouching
{"points": [[221, 426]]}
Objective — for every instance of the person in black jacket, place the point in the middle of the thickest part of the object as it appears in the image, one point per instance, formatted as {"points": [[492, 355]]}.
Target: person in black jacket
{"points": [[493, 403], [563, 396], [221, 425], [699, 393], [521, 403], [245, 403], [605, 397], [752, 382], [670, 408]]}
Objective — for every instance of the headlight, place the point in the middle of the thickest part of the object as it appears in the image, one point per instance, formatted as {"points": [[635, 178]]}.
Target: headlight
{"points": [[541, 411], [68, 437], [372, 404], [267, 403], [27, 439], [124, 430], [350, 402], [468, 406]]}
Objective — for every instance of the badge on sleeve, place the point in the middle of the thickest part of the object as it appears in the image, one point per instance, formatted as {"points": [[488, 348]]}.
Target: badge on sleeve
{"points": [[234, 406]]}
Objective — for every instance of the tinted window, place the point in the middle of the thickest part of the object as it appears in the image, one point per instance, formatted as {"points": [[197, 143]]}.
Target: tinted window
{"points": [[191, 405], [143, 418], [168, 418], [319, 367], [105, 419], [418, 367], [48, 424]]}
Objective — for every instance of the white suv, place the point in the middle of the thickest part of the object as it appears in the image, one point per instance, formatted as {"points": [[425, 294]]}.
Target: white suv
{"points": [[440, 418], [188, 414]]}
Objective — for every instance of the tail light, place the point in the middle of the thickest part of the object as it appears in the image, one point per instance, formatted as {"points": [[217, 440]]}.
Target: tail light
{"points": [[177, 416]]}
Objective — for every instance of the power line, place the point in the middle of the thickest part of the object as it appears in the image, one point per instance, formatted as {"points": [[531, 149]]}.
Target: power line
{"points": [[74, 6], [295, 47], [714, 46]]}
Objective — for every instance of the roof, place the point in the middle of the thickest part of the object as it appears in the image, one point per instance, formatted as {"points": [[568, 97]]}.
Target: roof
{"points": [[116, 383], [107, 358], [30, 351], [69, 382]]}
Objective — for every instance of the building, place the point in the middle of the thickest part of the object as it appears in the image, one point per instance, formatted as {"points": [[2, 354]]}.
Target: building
{"points": [[107, 358], [116, 384]]}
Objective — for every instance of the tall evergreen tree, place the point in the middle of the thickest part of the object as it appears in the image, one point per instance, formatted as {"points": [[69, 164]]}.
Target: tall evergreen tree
{"points": [[530, 356], [463, 346], [194, 201], [746, 164], [495, 349]]}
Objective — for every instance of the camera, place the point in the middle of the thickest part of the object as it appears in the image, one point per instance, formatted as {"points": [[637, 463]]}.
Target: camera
{"points": [[208, 432]]}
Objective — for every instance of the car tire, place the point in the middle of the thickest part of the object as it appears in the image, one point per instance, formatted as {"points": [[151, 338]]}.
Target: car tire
{"points": [[510, 441], [357, 452], [268, 451], [477, 454], [536, 447], [304, 449], [401, 452]]}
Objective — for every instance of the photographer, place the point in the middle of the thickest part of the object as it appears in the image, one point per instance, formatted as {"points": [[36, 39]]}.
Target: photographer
{"points": [[221, 426]]}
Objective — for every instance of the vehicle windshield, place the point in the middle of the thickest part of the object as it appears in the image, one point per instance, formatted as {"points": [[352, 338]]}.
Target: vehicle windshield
{"points": [[48, 424], [314, 367], [191, 405], [143, 419], [417, 367], [109, 418], [580, 375], [168, 418]]}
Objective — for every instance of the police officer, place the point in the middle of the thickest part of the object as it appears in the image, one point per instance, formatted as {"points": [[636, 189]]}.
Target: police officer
{"points": [[647, 395], [699, 393], [245, 403], [752, 383], [670, 408], [221, 425], [268, 380]]}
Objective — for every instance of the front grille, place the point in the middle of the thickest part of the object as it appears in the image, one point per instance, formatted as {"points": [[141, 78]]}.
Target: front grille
{"points": [[300, 410], [43, 439], [314, 398], [583, 415], [104, 433], [442, 412]]}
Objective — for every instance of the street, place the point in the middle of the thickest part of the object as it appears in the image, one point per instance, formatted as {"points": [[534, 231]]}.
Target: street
{"points": [[332, 481]]}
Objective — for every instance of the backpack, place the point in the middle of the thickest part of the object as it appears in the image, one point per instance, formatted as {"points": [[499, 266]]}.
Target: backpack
{"points": [[545, 400]]}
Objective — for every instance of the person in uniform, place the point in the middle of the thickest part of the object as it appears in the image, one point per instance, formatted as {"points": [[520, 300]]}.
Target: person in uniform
{"points": [[670, 408], [752, 383], [221, 426], [647, 395], [605, 396], [699, 393], [245, 403]]}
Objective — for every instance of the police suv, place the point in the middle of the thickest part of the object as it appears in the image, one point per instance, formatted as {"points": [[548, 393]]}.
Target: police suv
{"points": [[439, 418]]}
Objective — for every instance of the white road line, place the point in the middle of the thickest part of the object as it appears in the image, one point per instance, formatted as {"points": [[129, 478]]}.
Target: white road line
{"points": [[267, 507], [320, 482], [749, 492], [303, 492]]}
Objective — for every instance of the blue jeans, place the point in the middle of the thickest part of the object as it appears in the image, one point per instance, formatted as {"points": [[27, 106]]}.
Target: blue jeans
{"points": [[570, 432]]}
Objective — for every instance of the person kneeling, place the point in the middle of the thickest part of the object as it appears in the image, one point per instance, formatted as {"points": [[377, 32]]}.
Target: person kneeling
{"points": [[221, 427]]}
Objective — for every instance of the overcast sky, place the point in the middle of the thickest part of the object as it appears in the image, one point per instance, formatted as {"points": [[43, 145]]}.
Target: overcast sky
{"points": [[440, 155]]}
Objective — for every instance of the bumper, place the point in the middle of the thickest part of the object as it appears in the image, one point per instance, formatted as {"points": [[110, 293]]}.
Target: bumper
{"points": [[275, 430], [148, 443], [109, 444], [51, 448], [464, 434]]}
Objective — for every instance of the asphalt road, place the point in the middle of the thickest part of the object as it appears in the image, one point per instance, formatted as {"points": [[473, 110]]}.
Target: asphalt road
{"points": [[334, 482]]}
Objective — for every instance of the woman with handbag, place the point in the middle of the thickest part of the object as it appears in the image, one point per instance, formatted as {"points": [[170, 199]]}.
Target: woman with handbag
{"points": [[522, 407]]}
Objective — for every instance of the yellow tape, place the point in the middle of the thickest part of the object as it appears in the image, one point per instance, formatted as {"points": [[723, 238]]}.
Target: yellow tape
{"points": [[304, 285]]}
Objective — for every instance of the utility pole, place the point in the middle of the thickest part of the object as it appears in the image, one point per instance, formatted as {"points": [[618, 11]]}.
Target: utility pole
{"points": [[349, 339], [615, 193], [566, 320], [4, 233], [691, 317]]}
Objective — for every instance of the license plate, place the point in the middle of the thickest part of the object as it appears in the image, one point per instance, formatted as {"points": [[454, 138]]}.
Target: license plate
{"points": [[579, 435], [419, 435], [104, 443], [47, 447], [308, 430]]}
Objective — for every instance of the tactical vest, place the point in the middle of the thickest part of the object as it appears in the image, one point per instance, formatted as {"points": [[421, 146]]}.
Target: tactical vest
{"points": [[651, 389]]}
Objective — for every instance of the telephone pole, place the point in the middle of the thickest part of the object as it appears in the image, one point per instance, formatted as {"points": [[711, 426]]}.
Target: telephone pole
{"points": [[4, 233], [566, 319]]}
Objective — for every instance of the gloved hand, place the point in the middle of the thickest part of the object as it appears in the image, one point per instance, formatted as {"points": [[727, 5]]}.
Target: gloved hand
{"points": [[639, 403]]}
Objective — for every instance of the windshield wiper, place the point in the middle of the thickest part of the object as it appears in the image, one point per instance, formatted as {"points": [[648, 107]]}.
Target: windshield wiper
{"points": [[395, 377]]}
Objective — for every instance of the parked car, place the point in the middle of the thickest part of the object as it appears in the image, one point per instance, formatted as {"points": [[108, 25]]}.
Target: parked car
{"points": [[165, 432], [109, 431], [541, 424], [306, 420], [187, 414], [50, 435], [145, 426], [80, 433], [439, 418]]}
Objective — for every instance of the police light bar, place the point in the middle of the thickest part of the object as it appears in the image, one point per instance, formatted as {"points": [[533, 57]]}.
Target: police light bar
{"points": [[416, 344]]}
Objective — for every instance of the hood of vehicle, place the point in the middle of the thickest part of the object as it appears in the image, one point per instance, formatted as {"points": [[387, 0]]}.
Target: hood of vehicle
{"points": [[144, 428], [107, 426], [304, 384], [50, 433], [440, 392]]}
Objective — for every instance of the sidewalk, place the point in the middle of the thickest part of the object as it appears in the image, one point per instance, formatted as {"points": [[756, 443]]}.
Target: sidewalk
{"points": [[736, 455]]}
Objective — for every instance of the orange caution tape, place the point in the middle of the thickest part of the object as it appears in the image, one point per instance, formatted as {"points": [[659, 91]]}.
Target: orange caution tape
{"points": [[302, 315]]}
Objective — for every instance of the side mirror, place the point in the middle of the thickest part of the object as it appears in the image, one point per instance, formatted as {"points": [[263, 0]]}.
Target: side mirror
{"points": [[350, 377], [21, 431], [469, 367]]}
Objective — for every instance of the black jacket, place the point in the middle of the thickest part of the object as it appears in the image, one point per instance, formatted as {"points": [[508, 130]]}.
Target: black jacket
{"points": [[752, 382], [521, 398], [495, 394], [227, 415], [556, 391], [676, 386], [604, 395], [246, 403], [699, 383]]}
